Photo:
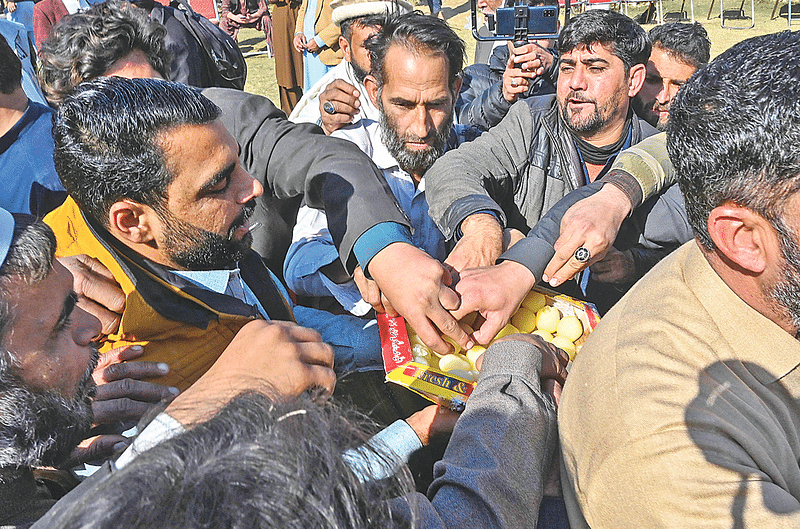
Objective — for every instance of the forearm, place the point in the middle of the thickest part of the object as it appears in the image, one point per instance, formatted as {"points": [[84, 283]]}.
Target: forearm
{"points": [[460, 183], [536, 249], [649, 164], [505, 440], [485, 109]]}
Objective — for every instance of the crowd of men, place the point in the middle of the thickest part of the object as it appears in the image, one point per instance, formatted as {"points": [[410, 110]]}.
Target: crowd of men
{"points": [[186, 273]]}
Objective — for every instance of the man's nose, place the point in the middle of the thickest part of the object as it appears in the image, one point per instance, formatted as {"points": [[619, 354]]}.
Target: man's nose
{"points": [[87, 327], [422, 123], [577, 81], [250, 188]]}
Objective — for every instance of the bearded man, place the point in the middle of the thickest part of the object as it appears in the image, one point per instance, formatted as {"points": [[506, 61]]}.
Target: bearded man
{"points": [[546, 146], [416, 63], [158, 195]]}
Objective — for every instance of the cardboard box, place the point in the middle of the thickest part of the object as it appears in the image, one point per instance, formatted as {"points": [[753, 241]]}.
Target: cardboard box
{"points": [[448, 389]]}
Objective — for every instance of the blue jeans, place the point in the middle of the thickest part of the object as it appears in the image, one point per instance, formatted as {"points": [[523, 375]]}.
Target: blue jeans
{"points": [[435, 6]]}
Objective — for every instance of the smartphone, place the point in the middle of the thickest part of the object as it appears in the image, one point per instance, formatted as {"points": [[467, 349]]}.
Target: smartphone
{"points": [[541, 20]]}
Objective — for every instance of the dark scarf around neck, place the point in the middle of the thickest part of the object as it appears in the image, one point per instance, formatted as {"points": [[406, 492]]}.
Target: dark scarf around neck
{"points": [[600, 155]]}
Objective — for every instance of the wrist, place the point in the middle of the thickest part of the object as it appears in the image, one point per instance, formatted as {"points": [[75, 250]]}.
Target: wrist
{"points": [[485, 224], [619, 201]]}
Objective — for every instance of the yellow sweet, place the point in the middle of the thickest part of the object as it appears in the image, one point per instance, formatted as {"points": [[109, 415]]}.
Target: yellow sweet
{"points": [[453, 362], [570, 327], [456, 347], [474, 353], [547, 319], [524, 319], [469, 319], [546, 336], [566, 345], [505, 331], [534, 301]]}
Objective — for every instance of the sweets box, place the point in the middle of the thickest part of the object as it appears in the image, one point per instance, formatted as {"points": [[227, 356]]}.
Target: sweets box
{"points": [[447, 389]]}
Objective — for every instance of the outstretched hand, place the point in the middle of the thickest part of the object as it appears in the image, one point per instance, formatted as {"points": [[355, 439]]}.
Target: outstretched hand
{"points": [[592, 223]]}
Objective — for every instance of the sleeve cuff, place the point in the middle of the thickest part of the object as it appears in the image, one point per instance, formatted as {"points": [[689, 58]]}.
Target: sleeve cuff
{"points": [[628, 184], [319, 41], [513, 357], [160, 429], [376, 239], [395, 444], [532, 253]]}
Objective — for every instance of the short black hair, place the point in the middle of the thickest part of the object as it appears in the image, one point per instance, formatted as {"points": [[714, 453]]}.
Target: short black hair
{"points": [[688, 43], [369, 21], [734, 131], [107, 139], [625, 38], [414, 31], [85, 45], [256, 464], [10, 68]]}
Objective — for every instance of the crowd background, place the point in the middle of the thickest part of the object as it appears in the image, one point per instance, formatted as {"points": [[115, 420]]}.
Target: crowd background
{"points": [[261, 68]]}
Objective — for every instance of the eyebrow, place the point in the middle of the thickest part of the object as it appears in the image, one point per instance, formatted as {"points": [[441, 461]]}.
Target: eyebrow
{"points": [[407, 102], [219, 177], [66, 311]]}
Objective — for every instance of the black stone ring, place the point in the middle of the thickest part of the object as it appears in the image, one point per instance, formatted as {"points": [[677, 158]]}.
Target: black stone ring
{"points": [[329, 108], [582, 255]]}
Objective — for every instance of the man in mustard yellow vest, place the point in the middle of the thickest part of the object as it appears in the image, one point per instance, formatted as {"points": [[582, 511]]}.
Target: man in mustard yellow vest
{"points": [[157, 194]]}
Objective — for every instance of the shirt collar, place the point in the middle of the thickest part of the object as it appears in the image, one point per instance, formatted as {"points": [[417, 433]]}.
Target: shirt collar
{"points": [[213, 280]]}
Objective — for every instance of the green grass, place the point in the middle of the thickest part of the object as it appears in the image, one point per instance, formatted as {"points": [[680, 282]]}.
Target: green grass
{"points": [[261, 68]]}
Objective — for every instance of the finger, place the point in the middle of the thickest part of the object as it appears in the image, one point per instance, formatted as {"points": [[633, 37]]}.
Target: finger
{"points": [[552, 388], [323, 378], [120, 410], [387, 307], [340, 98], [449, 299], [554, 363], [134, 389], [95, 448], [320, 354], [92, 281], [343, 86], [109, 320], [449, 326], [121, 354], [486, 332], [565, 247], [131, 370]]}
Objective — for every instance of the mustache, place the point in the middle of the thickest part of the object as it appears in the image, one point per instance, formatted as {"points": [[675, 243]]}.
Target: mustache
{"points": [[247, 212], [661, 107], [581, 98], [87, 386]]}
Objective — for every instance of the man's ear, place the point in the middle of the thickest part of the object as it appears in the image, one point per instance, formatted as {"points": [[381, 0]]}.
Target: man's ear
{"points": [[345, 47], [457, 85], [131, 221], [743, 236], [371, 84], [636, 77]]}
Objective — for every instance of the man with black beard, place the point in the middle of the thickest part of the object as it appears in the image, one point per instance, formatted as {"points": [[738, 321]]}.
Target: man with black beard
{"points": [[416, 63], [685, 399], [158, 196], [546, 146]]}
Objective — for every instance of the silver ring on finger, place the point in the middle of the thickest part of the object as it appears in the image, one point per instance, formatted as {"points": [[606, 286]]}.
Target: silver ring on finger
{"points": [[582, 254], [329, 108]]}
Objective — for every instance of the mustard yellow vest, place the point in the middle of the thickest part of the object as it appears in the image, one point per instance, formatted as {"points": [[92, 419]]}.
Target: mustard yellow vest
{"points": [[177, 322]]}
